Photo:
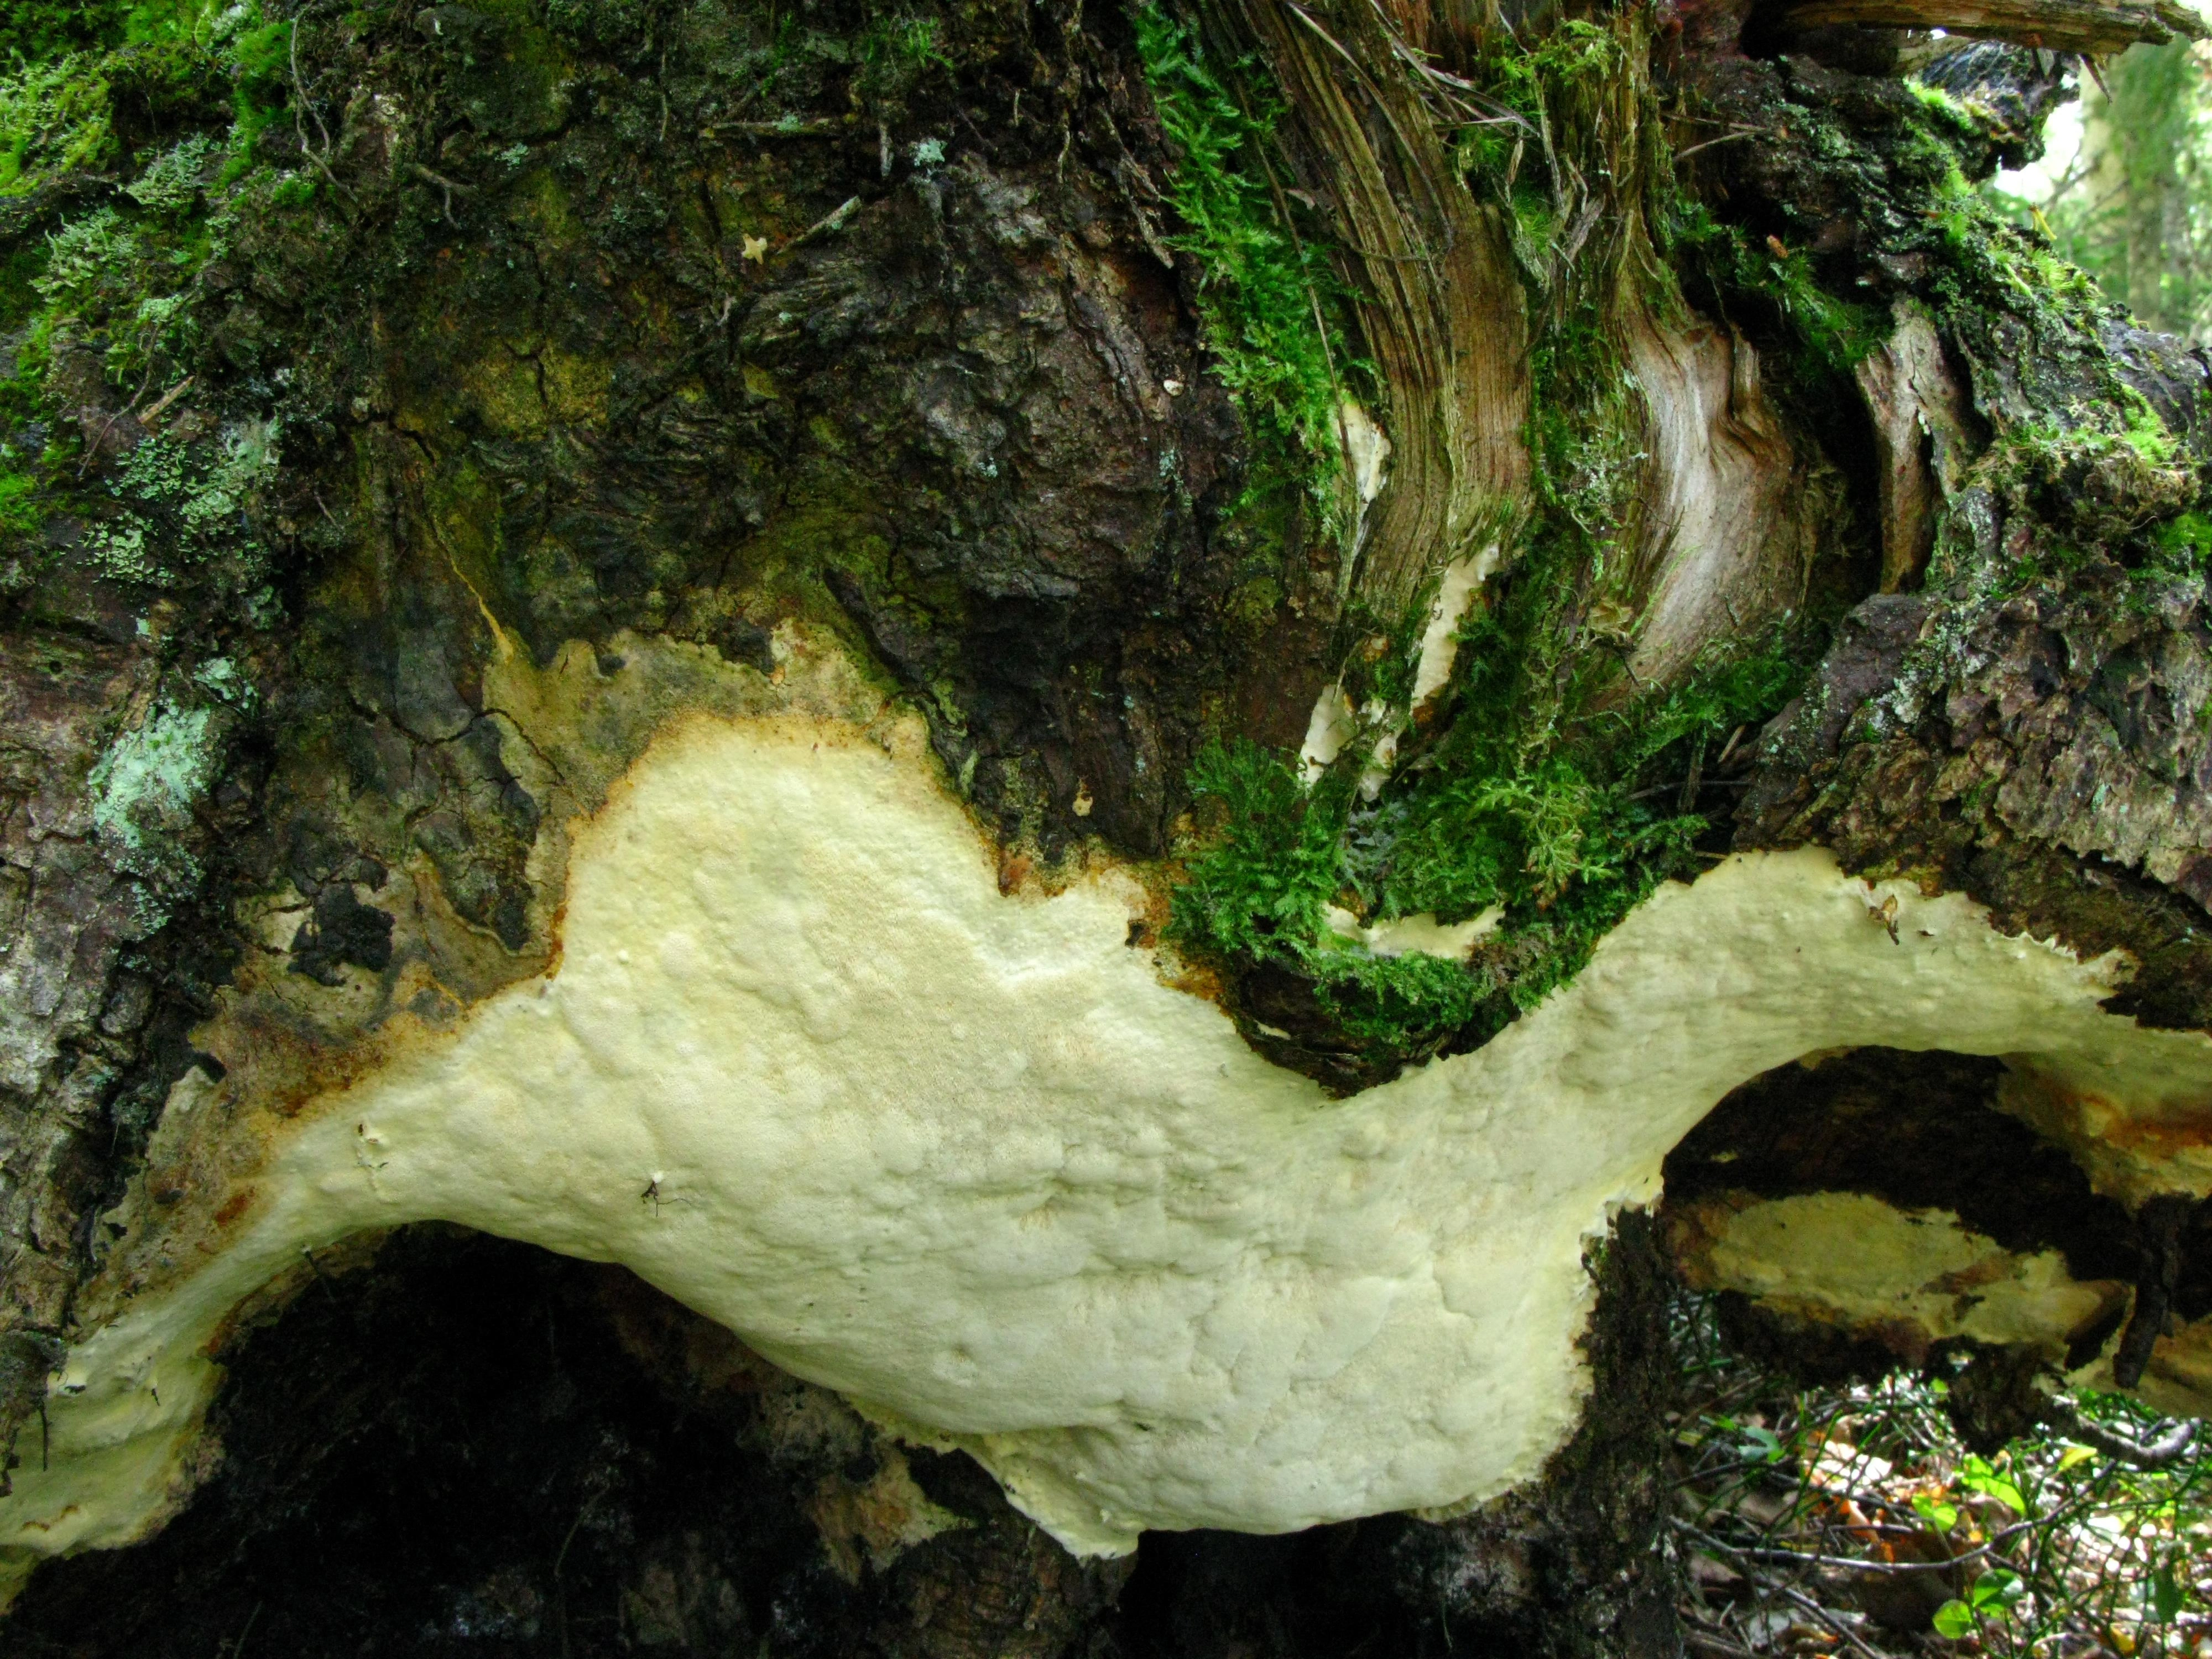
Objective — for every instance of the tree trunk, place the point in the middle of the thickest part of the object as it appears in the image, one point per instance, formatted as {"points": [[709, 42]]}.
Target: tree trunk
{"points": [[1178, 746]]}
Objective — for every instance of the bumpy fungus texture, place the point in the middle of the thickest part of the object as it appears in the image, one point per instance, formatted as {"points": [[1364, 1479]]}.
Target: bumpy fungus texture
{"points": [[967, 1159]]}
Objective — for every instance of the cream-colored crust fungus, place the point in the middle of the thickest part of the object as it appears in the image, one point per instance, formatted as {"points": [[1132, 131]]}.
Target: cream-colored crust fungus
{"points": [[966, 1157]]}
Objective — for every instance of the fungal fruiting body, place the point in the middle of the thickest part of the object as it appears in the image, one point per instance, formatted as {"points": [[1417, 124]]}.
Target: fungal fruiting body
{"points": [[967, 1159]]}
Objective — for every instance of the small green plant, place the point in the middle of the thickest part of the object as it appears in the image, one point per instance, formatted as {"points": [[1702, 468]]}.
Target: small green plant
{"points": [[1991, 1596], [1941, 1516], [1977, 1474], [2114, 483], [1567, 62], [2145, 433]]}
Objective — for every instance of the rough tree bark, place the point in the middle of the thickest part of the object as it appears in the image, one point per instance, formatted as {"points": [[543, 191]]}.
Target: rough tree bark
{"points": [[1409, 610]]}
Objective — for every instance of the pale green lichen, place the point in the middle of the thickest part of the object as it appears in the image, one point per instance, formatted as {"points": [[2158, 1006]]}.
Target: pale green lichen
{"points": [[222, 676], [183, 502], [143, 793]]}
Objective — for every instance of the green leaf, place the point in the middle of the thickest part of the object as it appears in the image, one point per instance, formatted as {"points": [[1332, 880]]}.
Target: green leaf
{"points": [[1954, 1620], [2074, 1457], [1762, 1445], [1940, 1515], [1996, 1591], [1976, 1476]]}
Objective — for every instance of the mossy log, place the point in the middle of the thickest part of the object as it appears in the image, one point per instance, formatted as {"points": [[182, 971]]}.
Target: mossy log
{"points": [[1147, 759]]}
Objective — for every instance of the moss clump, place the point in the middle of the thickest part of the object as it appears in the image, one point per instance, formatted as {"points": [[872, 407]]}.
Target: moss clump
{"points": [[90, 88], [1273, 868], [1564, 830], [1556, 103], [2111, 481], [1565, 826], [2182, 546], [1832, 335], [1537, 798], [895, 51], [1260, 889], [104, 294], [1267, 293]]}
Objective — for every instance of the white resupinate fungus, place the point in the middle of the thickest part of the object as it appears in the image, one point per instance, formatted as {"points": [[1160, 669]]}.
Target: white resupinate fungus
{"points": [[965, 1158]]}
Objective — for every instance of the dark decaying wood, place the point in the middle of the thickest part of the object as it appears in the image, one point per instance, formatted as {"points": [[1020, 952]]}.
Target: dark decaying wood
{"points": [[2091, 26]]}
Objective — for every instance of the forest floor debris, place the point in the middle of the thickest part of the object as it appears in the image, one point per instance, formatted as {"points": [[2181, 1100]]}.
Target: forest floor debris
{"points": [[1858, 1521]]}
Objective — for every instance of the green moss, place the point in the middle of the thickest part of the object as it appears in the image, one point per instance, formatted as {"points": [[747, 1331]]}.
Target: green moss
{"points": [[1578, 817], [1405, 1006], [1573, 53], [1266, 294], [2106, 481], [61, 84], [19, 513], [895, 51], [54, 117], [2146, 433], [2183, 544], [37, 29], [1994, 267], [1833, 335], [1548, 786], [256, 61], [1260, 890], [2084, 469], [1565, 830], [1945, 110], [118, 286], [1260, 886], [2005, 297]]}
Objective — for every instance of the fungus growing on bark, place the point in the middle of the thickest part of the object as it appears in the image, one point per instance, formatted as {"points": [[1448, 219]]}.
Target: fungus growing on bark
{"points": [[966, 1157], [1466, 395]]}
